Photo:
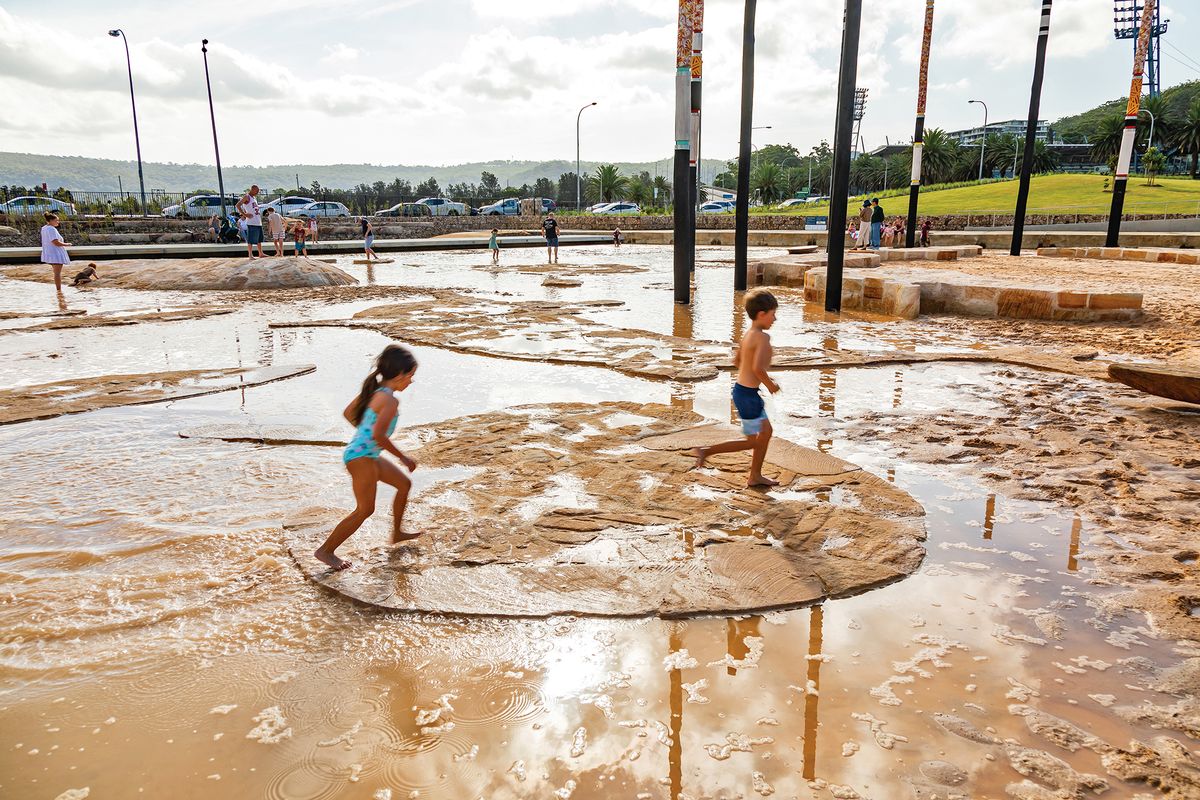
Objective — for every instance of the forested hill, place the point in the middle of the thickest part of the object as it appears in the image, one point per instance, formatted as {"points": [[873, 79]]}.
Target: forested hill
{"points": [[99, 174], [1077, 128]]}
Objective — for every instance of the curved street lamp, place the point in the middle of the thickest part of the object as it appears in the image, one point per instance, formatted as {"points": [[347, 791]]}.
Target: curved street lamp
{"points": [[982, 139], [578, 179], [137, 142]]}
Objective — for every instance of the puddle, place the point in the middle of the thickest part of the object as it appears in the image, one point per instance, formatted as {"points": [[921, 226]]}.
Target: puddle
{"points": [[153, 567]]}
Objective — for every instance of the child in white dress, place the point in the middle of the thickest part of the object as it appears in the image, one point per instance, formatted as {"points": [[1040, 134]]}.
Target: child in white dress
{"points": [[54, 249]]}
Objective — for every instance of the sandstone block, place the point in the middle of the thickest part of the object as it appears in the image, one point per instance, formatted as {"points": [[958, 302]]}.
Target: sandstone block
{"points": [[907, 302], [1115, 300], [1025, 303], [1071, 299], [873, 288]]}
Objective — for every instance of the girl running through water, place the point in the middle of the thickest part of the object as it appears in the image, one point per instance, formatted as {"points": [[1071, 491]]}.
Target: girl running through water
{"points": [[373, 414]]}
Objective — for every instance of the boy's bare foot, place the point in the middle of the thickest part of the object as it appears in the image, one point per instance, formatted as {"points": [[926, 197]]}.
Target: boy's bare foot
{"points": [[762, 480], [338, 564], [401, 536], [701, 454]]}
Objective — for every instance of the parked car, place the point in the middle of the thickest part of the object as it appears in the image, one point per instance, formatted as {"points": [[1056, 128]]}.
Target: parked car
{"points": [[201, 206], [619, 208], [715, 207], [820, 198], [287, 205], [441, 207], [508, 207], [592, 209], [31, 206], [405, 210], [548, 205], [322, 209]]}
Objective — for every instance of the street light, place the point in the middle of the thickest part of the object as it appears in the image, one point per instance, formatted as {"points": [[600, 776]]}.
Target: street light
{"points": [[578, 180], [212, 115], [137, 142], [1150, 141], [982, 139]]}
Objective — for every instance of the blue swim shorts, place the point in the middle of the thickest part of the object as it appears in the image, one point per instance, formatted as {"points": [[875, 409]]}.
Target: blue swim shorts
{"points": [[254, 234], [551, 241], [750, 408], [370, 240], [299, 247]]}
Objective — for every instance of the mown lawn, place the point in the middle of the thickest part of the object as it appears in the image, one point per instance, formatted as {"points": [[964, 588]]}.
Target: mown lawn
{"points": [[1066, 194]]}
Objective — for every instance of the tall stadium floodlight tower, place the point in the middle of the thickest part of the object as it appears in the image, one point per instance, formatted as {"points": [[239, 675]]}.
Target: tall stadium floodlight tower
{"points": [[860, 110], [1132, 110], [914, 190], [1127, 16]]}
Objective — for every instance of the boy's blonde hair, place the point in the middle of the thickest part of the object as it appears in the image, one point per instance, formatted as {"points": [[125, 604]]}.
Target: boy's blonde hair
{"points": [[758, 301]]}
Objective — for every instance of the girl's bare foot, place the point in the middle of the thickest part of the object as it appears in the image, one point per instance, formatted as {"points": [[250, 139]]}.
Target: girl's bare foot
{"points": [[338, 564], [762, 480], [701, 454], [401, 536]]}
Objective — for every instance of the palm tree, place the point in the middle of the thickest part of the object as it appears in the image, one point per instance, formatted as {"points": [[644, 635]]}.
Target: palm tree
{"points": [[767, 179], [938, 156], [1044, 159], [637, 192], [1187, 135], [1106, 141], [610, 182], [1164, 122], [664, 188]]}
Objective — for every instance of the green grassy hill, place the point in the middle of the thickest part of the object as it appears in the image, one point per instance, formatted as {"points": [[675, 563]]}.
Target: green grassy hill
{"points": [[1066, 194]]}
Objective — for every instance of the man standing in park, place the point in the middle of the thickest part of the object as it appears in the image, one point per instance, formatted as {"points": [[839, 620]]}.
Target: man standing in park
{"points": [[247, 209], [876, 222]]}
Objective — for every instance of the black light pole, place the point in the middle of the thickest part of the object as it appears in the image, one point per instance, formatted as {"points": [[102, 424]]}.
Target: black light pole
{"points": [[1035, 100], [137, 142], [212, 115], [741, 233], [578, 180], [839, 192]]}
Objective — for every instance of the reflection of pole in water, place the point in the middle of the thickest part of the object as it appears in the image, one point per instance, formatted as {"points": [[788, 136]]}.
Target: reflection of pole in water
{"points": [[683, 395], [810, 700], [370, 273], [827, 394], [891, 475], [266, 346], [989, 516], [735, 638], [675, 753], [1076, 528], [897, 393]]}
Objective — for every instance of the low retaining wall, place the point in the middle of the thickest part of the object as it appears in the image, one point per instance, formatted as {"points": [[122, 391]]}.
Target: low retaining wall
{"points": [[1123, 254]]}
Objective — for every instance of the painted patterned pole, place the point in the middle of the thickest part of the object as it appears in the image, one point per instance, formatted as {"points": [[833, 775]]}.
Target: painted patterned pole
{"points": [[1035, 101], [1132, 109], [684, 239], [741, 223], [914, 189], [697, 70]]}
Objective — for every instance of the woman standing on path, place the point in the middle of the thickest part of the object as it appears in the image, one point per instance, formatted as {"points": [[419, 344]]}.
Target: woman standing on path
{"points": [[369, 239], [54, 249]]}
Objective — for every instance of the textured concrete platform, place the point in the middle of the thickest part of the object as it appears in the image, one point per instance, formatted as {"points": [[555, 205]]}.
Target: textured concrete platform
{"points": [[790, 270], [1153, 254], [910, 291]]}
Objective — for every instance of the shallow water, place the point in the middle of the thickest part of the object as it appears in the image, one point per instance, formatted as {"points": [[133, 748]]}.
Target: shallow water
{"points": [[158, 640]]}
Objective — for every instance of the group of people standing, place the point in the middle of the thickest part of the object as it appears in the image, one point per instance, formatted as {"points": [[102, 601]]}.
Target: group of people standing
{"points": [[252, 220], [873, 230]]}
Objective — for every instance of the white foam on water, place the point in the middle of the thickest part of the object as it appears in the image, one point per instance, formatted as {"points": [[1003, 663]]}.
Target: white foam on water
{"points": [[693, 691], [623, 419], [579, 742], [623, 450], [680, 659], [75, 794], [272, 727], [223, 709]]}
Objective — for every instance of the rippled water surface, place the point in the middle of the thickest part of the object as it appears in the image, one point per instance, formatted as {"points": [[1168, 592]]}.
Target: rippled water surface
{"points": [[158, 641]]}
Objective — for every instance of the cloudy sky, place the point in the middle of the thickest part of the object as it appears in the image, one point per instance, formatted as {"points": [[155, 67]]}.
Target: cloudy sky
{"points": [[452, 81]]}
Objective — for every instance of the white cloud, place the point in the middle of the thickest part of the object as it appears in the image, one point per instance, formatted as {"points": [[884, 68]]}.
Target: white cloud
{"points": [[339, 53]]}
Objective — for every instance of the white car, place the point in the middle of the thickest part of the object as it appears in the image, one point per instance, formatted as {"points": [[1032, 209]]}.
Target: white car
{"points": [[325, 208], [594, 208], [619, 208], [201, 206], [31, 206], [441, 207], [715, 207], [288, 205]]}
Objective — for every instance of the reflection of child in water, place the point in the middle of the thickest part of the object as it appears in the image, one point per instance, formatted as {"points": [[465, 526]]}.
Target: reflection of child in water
{"points": [[88, 275], [373, 415]]}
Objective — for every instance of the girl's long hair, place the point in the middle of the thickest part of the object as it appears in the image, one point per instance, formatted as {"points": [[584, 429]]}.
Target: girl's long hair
{"points": [[394, 360]]}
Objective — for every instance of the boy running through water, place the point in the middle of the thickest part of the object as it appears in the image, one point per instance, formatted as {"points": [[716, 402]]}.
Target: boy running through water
{"points": [[752, 360]]}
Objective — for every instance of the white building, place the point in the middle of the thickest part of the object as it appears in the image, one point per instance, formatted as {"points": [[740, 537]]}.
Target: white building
{"points": [[1013, 127]]}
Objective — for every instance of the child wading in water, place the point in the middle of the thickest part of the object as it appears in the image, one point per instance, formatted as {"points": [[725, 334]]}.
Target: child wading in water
{"points": [[494, 246], [373, 414], [54, 249], [753, 359]]}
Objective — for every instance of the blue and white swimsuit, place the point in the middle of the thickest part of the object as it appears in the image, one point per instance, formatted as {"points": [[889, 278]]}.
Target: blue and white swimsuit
{"points": [[363, 445]]}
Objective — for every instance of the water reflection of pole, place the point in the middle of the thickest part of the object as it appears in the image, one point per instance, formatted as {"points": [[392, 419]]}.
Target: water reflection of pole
{"points": [[1073, 553], [989, 516], [735, 638], [897, 393], [827, 393], [683, 395], [675, 754], [810, 699]]}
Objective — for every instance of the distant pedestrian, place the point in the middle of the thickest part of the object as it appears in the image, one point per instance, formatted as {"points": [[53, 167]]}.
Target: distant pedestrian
{"points": [[494, 246], [275, 225], [312, 230], [214, 227], [299, 234], [901, 230], [925, 226], [877, 218], [617, 237], [550, 231], [247, 209], [54, 249], [368, 233], [864, 226]]}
